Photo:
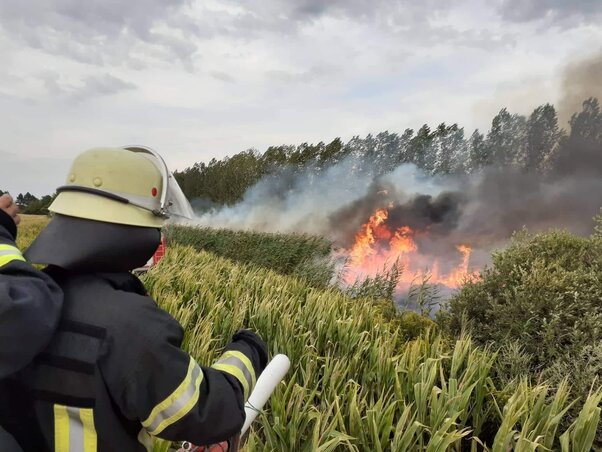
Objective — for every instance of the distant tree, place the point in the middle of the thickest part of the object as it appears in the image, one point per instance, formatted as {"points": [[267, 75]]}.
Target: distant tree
{"points": [[542, 138], [449, 150], [506, 137], [586, 126], [39, 206], [479, 152], [418, 149], [332, 153], [403, 149], [24, 200]]}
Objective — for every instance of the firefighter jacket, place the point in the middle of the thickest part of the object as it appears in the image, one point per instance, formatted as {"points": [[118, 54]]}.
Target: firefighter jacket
{"points": [[114, 375], [30, 304]]}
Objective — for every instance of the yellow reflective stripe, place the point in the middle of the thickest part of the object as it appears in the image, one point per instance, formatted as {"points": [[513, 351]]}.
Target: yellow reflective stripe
{"points": [[178, 403], [245, 360], [90, 440], [9, 253], [237, 373], [61, 429], [238, 365], [170, 399], [184, 410]]}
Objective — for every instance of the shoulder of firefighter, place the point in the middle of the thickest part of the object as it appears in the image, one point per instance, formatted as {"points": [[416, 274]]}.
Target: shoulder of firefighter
{"points": [[30, 304], [116, 375]]}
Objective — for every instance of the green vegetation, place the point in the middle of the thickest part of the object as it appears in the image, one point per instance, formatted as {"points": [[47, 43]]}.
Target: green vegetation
{"points": [[30, 227], [365, 377], [357, 383], [30, 205], [543, 290], [289, 254], [536, 144], [541, 304]]}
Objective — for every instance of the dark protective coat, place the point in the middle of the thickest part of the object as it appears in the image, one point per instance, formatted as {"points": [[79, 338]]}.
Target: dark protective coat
{"points": [[114, 372], [30, 304]]}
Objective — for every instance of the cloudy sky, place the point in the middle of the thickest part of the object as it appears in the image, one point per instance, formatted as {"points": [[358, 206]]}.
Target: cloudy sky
{"points": [[207, 78]]}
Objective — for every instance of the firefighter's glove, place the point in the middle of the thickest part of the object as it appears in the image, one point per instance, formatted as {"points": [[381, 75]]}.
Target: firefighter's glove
{"points": [[246, 339]]}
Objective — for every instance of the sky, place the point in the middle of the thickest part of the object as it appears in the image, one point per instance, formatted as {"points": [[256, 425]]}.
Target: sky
{"points": [[202, 79]]}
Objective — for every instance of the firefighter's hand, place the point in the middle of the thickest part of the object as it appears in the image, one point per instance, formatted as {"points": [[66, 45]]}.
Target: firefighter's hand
{"points": [[253, 340], [7, 205]]}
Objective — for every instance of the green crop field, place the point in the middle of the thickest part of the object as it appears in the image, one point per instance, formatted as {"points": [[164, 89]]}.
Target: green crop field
{"points": [[363, 377]]}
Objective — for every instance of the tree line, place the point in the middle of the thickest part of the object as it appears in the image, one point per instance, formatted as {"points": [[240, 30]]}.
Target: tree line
{"points": [[31, 205], [534, 143]]}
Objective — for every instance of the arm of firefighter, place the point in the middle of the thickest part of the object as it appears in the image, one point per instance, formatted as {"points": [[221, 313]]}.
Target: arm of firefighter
{"points": [[176, 399], [30, 304]]}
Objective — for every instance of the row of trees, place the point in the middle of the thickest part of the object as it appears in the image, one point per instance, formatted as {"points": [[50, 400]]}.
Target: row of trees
{"points": [[535, 143], [30, 204]]}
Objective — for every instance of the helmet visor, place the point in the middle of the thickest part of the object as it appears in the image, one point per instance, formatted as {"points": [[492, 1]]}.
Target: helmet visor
{"points": [[174, 204], [177, 205]]}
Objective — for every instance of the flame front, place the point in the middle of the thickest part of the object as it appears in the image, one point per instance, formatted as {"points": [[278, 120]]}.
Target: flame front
{"points": [[377, 247]]}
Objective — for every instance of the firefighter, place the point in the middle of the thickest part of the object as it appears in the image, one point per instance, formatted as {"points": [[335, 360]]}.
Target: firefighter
{"points": [[30, 304], [114, 376]]}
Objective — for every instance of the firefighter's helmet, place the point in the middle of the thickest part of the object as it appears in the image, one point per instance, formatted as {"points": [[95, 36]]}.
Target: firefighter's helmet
{"points": [[130, 186]]}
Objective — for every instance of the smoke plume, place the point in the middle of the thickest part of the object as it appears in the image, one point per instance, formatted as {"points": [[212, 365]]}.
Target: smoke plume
{"points": [[581, 80]]}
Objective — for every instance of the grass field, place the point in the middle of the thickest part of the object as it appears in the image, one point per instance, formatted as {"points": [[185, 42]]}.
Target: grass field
{"points": [[363, 378]]}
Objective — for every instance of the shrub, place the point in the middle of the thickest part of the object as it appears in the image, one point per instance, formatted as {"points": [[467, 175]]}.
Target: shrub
{"points": [[544, 290]]}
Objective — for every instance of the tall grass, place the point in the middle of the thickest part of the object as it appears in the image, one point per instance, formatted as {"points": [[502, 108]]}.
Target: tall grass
{"points": [[301, 255], [359, 380], [30, 227], [363, 378]]}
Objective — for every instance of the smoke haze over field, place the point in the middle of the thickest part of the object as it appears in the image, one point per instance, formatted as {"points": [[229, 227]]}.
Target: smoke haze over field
{"points": [[482, 209]]}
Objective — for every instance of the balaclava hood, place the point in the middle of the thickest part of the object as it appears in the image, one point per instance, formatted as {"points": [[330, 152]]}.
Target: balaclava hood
{"points": [[81, 245]]}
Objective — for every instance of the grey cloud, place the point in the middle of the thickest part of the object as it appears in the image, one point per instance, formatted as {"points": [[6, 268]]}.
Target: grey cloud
{"points": [[96, 30], [256, 17], [105, 85], [312, 74], [89, 87], [224, 77], [558, 11]]}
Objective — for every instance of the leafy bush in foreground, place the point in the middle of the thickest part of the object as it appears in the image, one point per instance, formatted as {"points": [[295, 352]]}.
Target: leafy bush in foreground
{"points": [[356, 383], [544, 290], [290, 254]]}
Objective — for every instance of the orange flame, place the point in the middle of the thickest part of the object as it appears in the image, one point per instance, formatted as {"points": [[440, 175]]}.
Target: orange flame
{"points": [[377, 247]]}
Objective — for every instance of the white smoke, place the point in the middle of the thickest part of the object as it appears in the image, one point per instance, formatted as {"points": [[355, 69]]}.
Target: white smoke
{"points": [[305, 202]]}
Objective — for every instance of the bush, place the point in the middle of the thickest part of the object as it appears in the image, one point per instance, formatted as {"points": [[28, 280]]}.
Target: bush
{"points": [[541, 304], [544, 290]]}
